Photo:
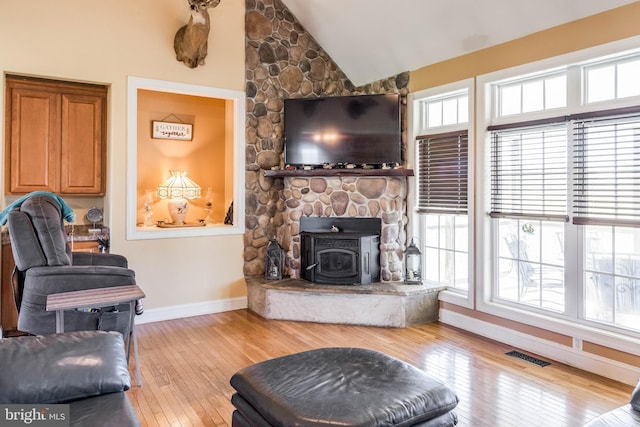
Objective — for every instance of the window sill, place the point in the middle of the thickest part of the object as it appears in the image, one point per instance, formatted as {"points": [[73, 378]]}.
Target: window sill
{"points": [[155, 232], [457, 298]]}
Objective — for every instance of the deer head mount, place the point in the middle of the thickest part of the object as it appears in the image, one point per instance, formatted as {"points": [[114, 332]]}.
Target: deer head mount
{"points": [[190, 42]]}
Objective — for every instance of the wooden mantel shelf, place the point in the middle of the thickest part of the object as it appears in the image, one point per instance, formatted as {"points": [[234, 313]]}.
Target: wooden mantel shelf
{"points": [[337, 172]]}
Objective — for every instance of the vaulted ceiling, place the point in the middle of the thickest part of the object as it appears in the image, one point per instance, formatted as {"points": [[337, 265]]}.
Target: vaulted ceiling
{"points": [[375, 39]]}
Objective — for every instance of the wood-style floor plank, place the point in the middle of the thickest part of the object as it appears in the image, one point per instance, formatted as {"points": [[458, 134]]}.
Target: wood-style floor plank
{"points": [[186, 365]]}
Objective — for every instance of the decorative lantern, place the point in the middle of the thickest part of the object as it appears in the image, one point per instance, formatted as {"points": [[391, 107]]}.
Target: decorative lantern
{"points": [[412, 265], [275, 261]]}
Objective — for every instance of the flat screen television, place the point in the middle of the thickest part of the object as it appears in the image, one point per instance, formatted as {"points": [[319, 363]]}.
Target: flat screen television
{"points": [[362, 129]]}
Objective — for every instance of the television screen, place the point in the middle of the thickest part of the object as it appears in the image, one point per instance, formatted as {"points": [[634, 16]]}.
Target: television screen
{"points": [[361, 129]]}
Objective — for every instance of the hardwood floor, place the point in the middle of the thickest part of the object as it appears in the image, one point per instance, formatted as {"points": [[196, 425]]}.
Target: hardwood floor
{"points": [[186, 365]]}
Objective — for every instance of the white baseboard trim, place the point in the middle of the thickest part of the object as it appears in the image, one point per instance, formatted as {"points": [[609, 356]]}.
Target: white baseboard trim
{"points": [[598, 365], [189, 310]]}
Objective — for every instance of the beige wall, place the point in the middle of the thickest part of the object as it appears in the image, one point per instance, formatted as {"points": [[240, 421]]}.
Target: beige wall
{"points": [[105, 42], [609, 26]]}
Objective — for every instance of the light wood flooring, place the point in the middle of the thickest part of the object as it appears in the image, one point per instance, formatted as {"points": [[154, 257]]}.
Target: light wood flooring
{"points": [[186, 365]]}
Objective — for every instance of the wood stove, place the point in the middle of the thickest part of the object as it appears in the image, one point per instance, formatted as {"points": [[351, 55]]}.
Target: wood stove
{"points": [[340, 251]]}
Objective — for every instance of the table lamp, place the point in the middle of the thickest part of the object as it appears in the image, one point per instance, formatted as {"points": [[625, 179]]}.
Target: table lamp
{"points": [[178, 188]]}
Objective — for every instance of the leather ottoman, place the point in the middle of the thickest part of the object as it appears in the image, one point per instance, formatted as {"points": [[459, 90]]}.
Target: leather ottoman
{"points": [[625, 416], [85, 369], [339, 386]]}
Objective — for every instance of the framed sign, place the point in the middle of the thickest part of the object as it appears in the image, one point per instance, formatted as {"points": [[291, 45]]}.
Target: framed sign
{"points": [[169, 130]]}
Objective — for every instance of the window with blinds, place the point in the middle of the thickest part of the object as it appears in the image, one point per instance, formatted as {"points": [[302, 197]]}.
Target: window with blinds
{"points": [[607, 170], [563, 196], [529, 172], [442, 173]]}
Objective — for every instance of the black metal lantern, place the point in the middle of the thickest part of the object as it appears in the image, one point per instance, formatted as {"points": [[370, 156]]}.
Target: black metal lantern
{"points": [[275, 261], [412, 265]]}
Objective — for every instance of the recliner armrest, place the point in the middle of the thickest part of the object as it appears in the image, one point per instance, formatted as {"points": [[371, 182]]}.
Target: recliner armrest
{"points": [[89, 258], [43, 281], [62, 367]]}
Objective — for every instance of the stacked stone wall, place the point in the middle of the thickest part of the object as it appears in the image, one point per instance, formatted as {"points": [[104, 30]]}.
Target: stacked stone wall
{"points": [[284, 61]]}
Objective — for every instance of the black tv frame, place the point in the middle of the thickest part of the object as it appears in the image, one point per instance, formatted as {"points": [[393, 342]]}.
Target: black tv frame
{"points": [[366, 130]]}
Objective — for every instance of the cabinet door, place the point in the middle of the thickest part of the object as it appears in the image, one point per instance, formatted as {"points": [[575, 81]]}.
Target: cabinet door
{"points": [[81, 161], [34, 141], [55, 136], [8, 312]]}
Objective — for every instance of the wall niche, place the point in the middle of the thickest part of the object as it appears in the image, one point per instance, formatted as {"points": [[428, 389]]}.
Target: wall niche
{"points": [[210, 156]]}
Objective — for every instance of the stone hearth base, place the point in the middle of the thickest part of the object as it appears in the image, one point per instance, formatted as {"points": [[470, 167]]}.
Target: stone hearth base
{"points": [[389, 304]]}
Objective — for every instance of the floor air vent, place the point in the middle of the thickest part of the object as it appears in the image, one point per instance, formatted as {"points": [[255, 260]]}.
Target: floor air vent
{"points": [[528, 358]]}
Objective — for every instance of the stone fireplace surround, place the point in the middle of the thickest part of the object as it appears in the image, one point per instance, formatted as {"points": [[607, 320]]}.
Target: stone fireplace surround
{"points": [[352, 197], [388, 303], [284, 61]]}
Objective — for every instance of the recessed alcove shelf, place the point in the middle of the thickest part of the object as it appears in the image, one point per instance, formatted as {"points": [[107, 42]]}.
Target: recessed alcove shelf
{"points": [[220, 141], [282, 173]]}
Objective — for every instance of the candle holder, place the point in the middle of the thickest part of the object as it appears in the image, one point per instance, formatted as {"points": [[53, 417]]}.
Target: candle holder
{"points": [[275, 261], [208, 206], [412, 265]]}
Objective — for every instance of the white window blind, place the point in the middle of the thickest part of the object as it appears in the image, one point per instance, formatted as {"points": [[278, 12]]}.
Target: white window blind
{"points": [[442, 173], [607, 170], [529, 172]]}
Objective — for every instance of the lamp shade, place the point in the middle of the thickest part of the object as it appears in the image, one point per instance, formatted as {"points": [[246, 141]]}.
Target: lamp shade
{"points": [[177, 189], [178, 186]]}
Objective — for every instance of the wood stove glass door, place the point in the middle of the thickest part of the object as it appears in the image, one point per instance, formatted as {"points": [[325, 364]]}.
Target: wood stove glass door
{"points": [[337, 263]]}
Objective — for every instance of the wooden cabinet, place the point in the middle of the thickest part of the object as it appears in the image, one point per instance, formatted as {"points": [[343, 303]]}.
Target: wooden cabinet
{"points": [[87, 246], [8, 311], [55, 134]]}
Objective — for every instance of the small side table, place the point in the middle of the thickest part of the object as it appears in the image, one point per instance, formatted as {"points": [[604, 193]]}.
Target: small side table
{"points": [[100, 297]]}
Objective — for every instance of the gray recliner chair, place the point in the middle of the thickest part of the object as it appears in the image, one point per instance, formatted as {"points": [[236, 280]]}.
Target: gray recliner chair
{"points": [[46, 265]]}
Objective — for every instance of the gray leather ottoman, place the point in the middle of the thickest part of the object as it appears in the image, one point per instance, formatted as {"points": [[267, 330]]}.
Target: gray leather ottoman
{"points": [[340, 386], [624, 416], [85, 369]]}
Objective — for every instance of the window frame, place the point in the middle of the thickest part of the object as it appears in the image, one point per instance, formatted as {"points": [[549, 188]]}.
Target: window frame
{"points": [[455, 296], [521, 82], [571, 322], [424, 103], [614, 60]]}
